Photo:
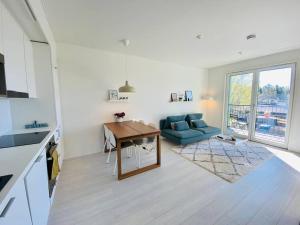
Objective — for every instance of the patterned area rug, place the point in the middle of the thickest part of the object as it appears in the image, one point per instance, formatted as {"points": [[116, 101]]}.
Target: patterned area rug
{"points": [[225, 160]]}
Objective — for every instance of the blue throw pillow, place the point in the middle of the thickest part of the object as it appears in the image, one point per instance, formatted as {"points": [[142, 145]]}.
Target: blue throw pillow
{"points": [[174, 119], [181, 125], [193, 116], [198, 123]]}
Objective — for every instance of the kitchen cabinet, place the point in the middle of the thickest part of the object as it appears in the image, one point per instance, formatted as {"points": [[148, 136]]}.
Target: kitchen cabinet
{"points": [[36, 182], [30, 73], [16, 210], [1, 33], [13, 43]]}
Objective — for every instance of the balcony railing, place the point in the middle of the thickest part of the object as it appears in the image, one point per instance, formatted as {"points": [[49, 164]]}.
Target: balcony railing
{"points": [[270, 119]]}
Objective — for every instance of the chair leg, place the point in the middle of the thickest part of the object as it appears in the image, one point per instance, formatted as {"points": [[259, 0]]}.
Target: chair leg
{"points": [[136, 155], [104, 145], [108, 157], [115, 166], [130, 151], [139, 158]]}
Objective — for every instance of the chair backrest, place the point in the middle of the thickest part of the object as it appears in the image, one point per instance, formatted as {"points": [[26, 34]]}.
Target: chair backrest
{"points": [[111, 141], [152, 125]]}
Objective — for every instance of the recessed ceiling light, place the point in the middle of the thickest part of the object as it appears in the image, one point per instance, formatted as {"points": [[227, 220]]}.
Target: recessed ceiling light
{"points": [[125, 42], [251, 36], [199, 36]]}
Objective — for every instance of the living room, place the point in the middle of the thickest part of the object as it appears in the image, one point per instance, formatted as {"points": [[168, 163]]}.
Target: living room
{"points": [[153, 112]]}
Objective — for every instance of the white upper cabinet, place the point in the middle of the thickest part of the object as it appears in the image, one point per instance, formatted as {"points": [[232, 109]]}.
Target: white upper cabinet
{"points": [[29, 67], [14, 53], [1, 33]]}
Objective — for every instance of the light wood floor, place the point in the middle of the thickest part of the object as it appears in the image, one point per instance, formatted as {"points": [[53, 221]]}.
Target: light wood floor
{"points": [[177, 193]]}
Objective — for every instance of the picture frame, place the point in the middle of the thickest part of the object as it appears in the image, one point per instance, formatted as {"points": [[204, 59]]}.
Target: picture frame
{"points": [[188, 96], [113, 95], [174, 97]]}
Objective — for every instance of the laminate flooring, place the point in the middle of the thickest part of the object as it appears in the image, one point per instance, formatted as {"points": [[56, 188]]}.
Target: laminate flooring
{"points": [[177, 193]]}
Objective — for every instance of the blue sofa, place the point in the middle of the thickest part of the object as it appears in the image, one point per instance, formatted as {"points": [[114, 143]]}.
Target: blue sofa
{"points": [[189, 135]]}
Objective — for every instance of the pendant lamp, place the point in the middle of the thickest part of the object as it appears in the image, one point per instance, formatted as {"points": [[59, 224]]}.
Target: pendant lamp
{"points": [[126, 88]]}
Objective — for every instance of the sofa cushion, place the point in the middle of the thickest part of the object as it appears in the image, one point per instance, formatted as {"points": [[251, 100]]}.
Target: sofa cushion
{"points": [[193, 116], [208, 130], [181, 125], [162, 124], [172, 119], [183, 134], [198, 123]]}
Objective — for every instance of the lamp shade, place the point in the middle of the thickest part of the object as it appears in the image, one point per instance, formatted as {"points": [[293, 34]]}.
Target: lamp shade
{"points": [[126, 88]]}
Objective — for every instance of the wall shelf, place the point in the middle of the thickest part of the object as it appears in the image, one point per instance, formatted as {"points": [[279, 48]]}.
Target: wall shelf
{"points": [[180, 101], [118, 101]]}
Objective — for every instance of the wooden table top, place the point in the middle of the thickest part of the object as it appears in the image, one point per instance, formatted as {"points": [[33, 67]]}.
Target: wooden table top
{"points": [[131, 129]]}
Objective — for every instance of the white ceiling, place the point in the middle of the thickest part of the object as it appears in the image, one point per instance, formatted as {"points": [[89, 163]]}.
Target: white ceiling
{"points": [[165, 30]]}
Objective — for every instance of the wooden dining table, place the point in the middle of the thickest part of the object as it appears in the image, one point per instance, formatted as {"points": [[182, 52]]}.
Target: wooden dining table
{"points": [[132, 130]]}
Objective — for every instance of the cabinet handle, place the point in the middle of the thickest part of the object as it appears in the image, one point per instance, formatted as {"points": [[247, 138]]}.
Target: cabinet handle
{"points": [[39, 159], [7, 207]]}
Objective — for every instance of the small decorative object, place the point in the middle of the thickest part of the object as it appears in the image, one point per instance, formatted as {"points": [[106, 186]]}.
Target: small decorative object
{"points": [[174, 97], [113, 94], [119, 116], [180, 97], [188, 96]]}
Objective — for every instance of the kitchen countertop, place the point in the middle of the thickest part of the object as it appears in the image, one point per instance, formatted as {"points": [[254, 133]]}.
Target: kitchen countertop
{"points": [[18, 160]]}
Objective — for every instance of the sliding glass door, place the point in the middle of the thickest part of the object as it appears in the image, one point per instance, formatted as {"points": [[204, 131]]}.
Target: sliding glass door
{"points": [[239, 104], [259, 104]]}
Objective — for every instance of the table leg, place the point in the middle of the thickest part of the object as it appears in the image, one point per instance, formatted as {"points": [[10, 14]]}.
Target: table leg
{"points": [[158, 150], [139, 170], [119, 160]]}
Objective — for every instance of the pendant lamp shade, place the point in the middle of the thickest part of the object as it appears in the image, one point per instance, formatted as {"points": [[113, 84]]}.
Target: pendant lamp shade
{"points": [[126, 88]]}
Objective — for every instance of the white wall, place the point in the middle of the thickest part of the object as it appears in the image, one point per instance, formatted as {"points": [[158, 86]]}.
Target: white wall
{"points": [[42, 109], [216, 80], [87, 74], [5, 116]]}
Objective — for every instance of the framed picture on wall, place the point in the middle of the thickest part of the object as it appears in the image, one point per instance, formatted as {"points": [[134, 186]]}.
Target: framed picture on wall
{"points": [[113, 94], [188, 96], [174, 97]]}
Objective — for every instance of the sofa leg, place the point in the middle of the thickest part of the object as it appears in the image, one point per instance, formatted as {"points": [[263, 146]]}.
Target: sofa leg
{"points": [[181, 148]]}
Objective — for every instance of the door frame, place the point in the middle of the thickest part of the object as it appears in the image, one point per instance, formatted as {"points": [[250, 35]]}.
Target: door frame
{"points": [[290, 109], [225, 108], [255, 83]]}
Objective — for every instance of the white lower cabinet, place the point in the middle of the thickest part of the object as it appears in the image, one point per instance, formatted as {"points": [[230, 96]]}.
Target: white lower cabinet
{"points": [[36, 182], [16, 211]]}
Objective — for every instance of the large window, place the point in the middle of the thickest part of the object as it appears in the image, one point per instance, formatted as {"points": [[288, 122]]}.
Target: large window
{"points": [[259, 104]]}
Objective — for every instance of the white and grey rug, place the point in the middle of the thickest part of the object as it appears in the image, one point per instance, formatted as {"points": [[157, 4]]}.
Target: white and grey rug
{"points": [[225, 160]]}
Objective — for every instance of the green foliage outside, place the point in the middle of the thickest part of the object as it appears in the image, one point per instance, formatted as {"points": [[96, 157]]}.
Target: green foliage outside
{"points": [[240, 90]]}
